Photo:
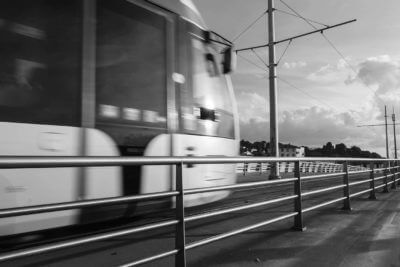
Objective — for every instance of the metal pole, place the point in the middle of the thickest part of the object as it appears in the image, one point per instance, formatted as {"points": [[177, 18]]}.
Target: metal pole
{"points": [[88, 96], [180, 257], [397, 170], [273, 96], [385, 181], [346, 190], [394, 134], [372, 195], [394, 175], [298, 219], [386, 131]]}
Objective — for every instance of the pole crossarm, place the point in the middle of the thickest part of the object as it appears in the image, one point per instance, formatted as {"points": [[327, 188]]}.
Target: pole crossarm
{"points": [[371, 125], [321, 30]]}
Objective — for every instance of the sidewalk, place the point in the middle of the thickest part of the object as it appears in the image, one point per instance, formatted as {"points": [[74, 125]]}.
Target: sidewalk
{"points": [[367, 236]]}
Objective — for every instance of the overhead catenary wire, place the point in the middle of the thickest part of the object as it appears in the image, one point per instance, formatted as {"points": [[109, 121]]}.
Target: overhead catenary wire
{"points": [[298, 15], [294, 15], [260, 58], [284, 52], [334, 48], [304, 92], [351, 67], [252, 63], [248, 27]]}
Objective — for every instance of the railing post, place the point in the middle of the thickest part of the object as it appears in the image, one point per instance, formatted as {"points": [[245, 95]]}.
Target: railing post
{"points": [[346, 189], [393, 172], [298, 219], [385, 188], [397, 169], [372, 195], [180, 257]]}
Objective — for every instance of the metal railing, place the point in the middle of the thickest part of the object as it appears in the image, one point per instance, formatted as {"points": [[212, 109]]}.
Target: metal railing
{"points": [[285, 167], [390, 170]]}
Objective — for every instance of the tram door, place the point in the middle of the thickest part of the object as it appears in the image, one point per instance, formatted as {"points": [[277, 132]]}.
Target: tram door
{"points": [[134, 65]]}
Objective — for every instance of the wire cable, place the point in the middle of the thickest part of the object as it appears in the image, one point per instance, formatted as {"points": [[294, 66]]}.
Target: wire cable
{"points": [[248, 27], [300, 16], [251, 62], [304, 92], [351, 67], [284, 52], [294, 15], [336, 49], [260, 58]]}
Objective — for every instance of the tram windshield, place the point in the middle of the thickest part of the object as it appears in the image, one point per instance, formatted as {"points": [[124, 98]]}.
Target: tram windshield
{"points": [[211, 102]]}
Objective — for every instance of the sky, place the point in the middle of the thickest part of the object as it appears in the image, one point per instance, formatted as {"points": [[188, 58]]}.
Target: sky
{"points": [[328, 96]]}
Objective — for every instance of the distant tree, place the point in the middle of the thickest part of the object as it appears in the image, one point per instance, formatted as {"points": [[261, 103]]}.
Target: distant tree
{"points": [[245, 146], [365, 154], [355, 152], [260, 148], [316, 152], [340, 150], [328, 149], [375, 155]]}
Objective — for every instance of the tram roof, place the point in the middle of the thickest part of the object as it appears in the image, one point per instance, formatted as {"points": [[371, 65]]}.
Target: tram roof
{"points": [[184, 8]]}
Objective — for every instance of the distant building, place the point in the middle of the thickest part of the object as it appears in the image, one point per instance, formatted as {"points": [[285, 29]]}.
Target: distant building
{"points": [[300, 152], [288, 150], [247, 153]]}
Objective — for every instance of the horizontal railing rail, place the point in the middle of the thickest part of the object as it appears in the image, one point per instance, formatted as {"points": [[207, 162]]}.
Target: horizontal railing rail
{"points": [[339, 166]]}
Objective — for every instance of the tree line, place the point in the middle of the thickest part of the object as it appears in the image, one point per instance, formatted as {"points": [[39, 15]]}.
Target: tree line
{"points": [[259, 148], [340, 150]]}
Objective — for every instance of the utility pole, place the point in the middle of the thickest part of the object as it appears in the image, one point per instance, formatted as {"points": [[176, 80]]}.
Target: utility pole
{"points": [[273, 96], [394, 134], [386, 131]]}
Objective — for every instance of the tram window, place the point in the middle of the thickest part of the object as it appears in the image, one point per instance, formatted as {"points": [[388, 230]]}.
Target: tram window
{"points": [[130, 65], [40, 61]]}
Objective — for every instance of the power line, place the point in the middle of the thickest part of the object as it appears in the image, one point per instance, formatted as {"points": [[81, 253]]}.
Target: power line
{"points": [[334, 48], [304, 92], [296, 36], [351, 67], [284, 52], [300, 16], [294, 15], [248, 27], [259, 57], [251, 62], [371, 125]]}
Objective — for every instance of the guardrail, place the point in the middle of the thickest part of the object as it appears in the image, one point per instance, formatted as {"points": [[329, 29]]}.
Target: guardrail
{"points": [[390, 170], [288, 167]]}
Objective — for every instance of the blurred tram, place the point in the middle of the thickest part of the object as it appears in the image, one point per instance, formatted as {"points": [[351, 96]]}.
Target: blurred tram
{"points": [[110, 78]]}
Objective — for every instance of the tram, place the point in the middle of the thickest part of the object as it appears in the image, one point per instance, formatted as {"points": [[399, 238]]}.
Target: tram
{"points": [[110, 78]]}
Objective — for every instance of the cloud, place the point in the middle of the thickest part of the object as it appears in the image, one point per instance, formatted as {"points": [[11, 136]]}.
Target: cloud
{"points": [[316, 126], [292, 65], [331, 73], [252, 107], [381, 74], [381, 71], [319, 125]]}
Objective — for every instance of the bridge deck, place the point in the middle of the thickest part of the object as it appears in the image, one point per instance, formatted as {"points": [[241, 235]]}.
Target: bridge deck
{"points": [[367, 236]]}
